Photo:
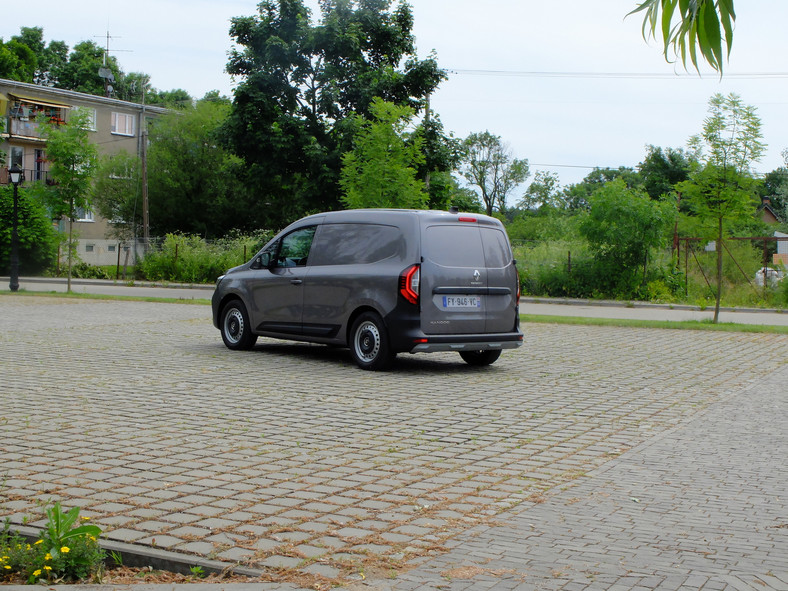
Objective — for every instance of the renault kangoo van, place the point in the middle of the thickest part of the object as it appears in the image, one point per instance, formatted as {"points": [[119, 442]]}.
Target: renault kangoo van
{"points": [[380, 282]]}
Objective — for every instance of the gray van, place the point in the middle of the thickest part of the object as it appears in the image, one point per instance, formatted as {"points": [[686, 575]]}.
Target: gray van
{"points": [[380, 282]]}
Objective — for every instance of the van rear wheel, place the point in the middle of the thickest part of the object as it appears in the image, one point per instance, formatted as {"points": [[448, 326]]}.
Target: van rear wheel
{"points": [[369, 343], [480, 357]]}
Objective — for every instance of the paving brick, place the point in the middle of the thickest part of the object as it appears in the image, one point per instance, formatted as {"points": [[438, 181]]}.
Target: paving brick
{"points": [[582, 419]]}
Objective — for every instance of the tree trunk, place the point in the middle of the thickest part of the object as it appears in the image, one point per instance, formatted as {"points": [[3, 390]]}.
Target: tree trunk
{"points": [[719, 272]]}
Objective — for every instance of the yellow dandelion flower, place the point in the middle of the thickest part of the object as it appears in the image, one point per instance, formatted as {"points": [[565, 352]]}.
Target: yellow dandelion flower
{"points": [[47, 567], [39, 542], [7, 567], [36, 572], [48, 556], [65, 549]]}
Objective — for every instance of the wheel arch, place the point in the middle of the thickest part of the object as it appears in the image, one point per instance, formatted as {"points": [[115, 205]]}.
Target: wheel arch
{"points": [[352, 319]]}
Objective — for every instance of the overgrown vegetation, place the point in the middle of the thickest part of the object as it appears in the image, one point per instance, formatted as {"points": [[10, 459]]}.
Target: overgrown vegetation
{"points": [[190, 259]]}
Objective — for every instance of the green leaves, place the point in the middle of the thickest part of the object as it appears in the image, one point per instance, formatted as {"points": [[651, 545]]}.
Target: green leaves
{"points": [[60, 526], [381, 169], [700, 26], [488, 164]]}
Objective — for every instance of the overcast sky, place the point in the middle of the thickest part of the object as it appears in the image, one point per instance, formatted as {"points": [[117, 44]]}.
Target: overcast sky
{"points": [[569, 85]]}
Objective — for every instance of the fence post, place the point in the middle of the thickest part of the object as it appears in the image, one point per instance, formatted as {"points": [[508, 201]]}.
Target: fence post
{"points": [[765, 269], [569, 262]]}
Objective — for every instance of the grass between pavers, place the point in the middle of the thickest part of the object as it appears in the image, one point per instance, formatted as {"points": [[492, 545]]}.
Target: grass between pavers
{"points": [[527, 318]]}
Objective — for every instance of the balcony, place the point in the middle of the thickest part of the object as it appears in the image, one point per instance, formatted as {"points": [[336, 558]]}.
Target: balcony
{"points": [[34, 176], [23, 127]]}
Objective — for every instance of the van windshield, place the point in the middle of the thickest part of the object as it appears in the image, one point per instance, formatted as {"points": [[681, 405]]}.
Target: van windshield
{"points": [[467, 246]]}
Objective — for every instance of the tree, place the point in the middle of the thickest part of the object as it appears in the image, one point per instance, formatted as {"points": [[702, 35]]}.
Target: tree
{"points": [[622, 226], [300, 83], [194, 182], [488, 164], [775, 188], [701, 26], [72, 158], [380, 171], [576, 196], [37, 240], [723, 190], [442, 155], [117, 193], [17, 61], [661, 170], [543, 192], [81, 73]]}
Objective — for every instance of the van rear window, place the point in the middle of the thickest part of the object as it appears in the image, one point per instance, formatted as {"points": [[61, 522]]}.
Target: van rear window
{"points": [[467, 246], [352, 244]]}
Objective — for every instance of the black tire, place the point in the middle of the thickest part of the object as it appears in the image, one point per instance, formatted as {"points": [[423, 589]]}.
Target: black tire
{"points": [[235, 327], [369, 343], [480, 357]]}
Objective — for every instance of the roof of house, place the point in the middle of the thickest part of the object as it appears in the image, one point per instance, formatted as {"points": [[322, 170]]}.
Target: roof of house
{"points": [[58, 96]]}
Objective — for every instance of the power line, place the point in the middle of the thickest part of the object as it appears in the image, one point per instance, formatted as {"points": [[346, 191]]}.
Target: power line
{"points": [[625, 75]]}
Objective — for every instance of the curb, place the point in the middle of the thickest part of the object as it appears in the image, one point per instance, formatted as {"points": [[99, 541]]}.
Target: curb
{"points": [[141, 556]]}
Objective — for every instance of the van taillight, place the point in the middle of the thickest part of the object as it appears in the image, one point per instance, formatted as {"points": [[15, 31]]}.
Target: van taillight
{"points": [[409, 281], [466, 219]]}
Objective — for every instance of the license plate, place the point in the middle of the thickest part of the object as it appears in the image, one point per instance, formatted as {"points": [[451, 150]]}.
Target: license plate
{"points": [[450, 302]]}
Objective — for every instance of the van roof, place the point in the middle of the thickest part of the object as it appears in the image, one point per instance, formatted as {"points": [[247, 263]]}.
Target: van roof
{"points": [[373, 215]]}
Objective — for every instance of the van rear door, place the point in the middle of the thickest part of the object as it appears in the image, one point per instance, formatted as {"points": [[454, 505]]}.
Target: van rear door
{"points": [[468, 278]]}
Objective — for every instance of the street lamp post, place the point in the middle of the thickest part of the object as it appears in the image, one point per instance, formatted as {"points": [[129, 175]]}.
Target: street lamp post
{"points": [[17, 176]]}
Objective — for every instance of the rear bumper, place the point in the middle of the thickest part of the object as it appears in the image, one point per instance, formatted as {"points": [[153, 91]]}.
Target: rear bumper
{"points": [[472, 342]]}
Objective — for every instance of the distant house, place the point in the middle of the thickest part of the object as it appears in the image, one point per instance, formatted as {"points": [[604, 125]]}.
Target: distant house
{"points": [[115, 127], [768, 214]]}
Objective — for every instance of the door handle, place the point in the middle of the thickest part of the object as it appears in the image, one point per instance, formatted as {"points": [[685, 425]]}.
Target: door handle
{"points": [[296, 281]]}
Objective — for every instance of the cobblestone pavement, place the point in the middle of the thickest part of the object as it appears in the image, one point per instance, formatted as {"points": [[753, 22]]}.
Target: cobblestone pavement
{"points": [[289, 458]]}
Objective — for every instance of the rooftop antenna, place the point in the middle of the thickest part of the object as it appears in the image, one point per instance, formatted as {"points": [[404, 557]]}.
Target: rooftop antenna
{"points": [[105, 72]]}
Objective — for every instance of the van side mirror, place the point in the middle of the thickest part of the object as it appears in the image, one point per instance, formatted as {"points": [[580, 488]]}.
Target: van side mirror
{"points": [[263, 261]]}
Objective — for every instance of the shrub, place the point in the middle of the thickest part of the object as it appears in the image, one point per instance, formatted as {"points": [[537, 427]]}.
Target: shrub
{"points": [[85, 271], [190, 259], [65, 551]]}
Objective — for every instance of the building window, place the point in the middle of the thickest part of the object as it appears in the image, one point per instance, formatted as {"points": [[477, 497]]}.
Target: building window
{"points": [[83, 215], [111, 248], [17, 157], [89, 248], [91, 115], [122, 124]]}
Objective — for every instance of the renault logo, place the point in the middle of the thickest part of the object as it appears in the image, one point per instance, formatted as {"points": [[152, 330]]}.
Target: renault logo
{"points": [[476, 275]]}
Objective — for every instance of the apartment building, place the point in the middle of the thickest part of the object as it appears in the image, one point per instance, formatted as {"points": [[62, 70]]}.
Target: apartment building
{"points": [[115, 126]]}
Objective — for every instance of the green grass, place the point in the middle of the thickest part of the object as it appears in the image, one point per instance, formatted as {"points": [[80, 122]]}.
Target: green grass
{"points": [[669, 324], [95, 296]]}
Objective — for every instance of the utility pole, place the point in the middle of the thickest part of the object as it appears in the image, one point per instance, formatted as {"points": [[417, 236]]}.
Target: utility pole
{"points": [[144, 157]]}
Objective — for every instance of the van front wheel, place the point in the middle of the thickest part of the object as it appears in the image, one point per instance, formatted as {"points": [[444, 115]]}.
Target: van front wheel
{"points": [[369, 343], [480, 357], [236, 329]]}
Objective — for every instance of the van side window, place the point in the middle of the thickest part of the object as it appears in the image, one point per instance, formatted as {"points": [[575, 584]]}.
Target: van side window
{"points": [[294, 248], [352, 244]]}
